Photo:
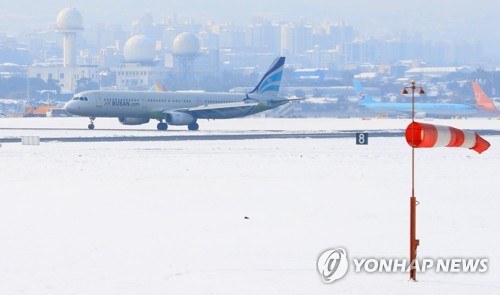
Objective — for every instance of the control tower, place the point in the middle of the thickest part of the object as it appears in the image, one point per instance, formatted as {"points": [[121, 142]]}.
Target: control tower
{"points": [[69, 23]]}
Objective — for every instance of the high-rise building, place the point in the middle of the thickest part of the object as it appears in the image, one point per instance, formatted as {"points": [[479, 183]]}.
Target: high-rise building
{"points": [[296, 38]]}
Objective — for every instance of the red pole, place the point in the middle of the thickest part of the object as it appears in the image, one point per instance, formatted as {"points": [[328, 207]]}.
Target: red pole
{"points": [[413, 200], [413, 241]]}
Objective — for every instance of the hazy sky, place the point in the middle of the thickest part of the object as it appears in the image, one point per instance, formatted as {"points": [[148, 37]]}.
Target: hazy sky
{"points": [[436, 19]]}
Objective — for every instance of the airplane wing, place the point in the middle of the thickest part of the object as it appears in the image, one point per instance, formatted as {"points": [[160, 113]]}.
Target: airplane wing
{"points": [[232, 109], [222, 110]]}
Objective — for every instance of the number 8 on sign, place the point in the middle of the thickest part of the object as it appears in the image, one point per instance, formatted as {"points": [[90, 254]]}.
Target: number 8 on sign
{"points": [[362, 138]]}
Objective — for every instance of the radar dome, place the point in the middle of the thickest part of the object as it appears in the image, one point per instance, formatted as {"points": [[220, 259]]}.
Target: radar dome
{"points": [[186, 44], [139, 49], [69, 19]]}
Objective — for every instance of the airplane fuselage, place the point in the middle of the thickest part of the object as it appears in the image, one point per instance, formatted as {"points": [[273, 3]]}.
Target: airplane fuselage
{"points": [[438, 109]]}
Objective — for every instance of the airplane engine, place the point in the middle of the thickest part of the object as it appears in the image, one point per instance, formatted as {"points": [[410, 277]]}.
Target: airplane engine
{"points": [[179, 118], [133, 121]]}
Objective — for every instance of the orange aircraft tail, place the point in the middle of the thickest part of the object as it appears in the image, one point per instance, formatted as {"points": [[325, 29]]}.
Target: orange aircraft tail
{"points": [[482, 99]]}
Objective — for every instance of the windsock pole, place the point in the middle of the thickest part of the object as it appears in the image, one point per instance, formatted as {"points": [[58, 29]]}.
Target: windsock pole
{"points": [[413, 200]]}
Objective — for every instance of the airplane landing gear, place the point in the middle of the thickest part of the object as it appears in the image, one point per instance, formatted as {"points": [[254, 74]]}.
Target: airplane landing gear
{"points": [[91, 126], [193, 126], [162, 126]]}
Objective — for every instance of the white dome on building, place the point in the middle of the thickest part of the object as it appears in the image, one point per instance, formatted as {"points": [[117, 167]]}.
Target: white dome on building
{"points": [[69, 19], [139, 49], [186, 44]]}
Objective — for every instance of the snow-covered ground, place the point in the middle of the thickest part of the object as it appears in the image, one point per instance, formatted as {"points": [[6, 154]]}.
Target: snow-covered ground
{"points": [[169, 217]]}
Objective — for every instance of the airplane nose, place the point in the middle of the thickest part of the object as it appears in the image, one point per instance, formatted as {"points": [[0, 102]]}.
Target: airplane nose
{"points": [[69, 106]]}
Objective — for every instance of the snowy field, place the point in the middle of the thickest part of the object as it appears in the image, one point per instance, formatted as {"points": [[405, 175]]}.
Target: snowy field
{"points": [[169, 217]]}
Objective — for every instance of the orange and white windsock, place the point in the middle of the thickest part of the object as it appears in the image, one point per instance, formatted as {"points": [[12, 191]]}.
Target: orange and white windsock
{"points": [[421, 135]]}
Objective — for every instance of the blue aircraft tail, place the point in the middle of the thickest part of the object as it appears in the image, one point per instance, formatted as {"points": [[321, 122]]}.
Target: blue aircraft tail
{"points": [[361, 93], [270, 82]]}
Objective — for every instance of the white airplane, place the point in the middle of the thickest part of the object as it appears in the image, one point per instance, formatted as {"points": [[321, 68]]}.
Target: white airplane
{"points": [[180, 108]]}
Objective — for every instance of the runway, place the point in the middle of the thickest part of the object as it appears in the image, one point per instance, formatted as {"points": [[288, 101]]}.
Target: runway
{"points": [[109, 130], [241, 136], [221, 136]]}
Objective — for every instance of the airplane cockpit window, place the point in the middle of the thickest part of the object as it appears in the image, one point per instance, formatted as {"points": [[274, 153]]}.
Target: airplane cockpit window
{"points": [[83, 98], [76, 98]]}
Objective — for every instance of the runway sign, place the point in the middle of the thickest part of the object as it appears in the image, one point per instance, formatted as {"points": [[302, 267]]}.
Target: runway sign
{"points": [[362, 138]]}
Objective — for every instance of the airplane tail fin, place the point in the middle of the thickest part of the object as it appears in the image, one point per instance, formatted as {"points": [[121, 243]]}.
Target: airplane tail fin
{"points": [[482, 100], [361, 93], [157, 88], [270, 82]]}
